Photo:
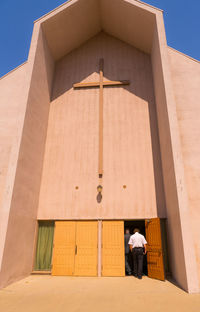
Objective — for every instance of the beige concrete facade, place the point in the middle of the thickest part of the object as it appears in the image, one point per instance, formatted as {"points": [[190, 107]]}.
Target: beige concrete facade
{"points": [[12, 87], [28, 134], [150, 128], [186, 80], [131, 144]]}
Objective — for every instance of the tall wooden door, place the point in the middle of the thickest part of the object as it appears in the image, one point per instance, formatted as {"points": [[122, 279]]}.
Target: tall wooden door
{"points": [[64, 248], [75, 248], [113, 248], [155, 263], [86, 248]]}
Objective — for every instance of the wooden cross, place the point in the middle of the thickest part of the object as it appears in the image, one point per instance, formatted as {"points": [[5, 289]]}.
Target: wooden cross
{"points": [[100, 84]]}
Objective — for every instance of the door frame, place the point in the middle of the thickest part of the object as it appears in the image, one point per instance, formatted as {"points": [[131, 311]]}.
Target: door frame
{"points": [[35, 244]]}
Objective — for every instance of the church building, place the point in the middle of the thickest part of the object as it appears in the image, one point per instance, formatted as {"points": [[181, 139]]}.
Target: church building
{"points": [[100, 131]]}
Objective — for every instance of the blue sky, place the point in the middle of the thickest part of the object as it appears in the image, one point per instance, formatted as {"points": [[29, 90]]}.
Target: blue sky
{"points": [[182, 21]]}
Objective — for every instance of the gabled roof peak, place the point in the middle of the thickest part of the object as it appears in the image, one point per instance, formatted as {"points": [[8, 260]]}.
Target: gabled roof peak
{"points": [[69, 1], [76, 21]]}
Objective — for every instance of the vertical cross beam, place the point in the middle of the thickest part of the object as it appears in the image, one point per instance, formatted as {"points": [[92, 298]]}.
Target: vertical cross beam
{"points": [[100, 84], [100, 169]]}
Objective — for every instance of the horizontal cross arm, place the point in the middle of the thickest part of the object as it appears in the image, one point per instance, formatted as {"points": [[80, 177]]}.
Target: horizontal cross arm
{"points": [[86, 84], [116, 83], [97, 84]]}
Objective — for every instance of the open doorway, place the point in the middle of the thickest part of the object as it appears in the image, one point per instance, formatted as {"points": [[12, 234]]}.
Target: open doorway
{"points": [[131, 225]]}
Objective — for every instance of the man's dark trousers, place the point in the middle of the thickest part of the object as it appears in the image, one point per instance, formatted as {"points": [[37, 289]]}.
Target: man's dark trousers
{"points": [[137, 261], [127, 253], [127, 263]]}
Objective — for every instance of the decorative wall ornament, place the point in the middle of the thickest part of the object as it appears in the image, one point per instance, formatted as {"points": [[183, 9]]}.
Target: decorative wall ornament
{"points": [[99, 195]]}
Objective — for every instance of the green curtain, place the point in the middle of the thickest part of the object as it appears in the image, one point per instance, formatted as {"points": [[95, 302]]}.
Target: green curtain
{"points": [[44, 246]]}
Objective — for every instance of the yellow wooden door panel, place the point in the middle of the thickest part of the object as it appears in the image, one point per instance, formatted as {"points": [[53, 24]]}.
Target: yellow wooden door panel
{"points": [[86, 248], [64, 248], [154, 251], [113, 248]]}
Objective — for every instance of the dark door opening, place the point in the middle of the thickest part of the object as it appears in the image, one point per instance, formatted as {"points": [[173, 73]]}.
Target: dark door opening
{"points": [[131, 225]]}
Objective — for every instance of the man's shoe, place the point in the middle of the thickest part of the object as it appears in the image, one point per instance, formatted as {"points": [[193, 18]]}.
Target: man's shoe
{"points": [[139, 277]]}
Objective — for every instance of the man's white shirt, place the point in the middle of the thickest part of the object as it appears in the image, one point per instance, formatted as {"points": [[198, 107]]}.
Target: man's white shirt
{"points": [[137, 240]]}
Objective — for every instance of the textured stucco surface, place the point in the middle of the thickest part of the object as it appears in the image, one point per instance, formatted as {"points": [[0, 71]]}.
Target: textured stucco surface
{"points": [[12, 110], [182, 253], [20, 233], [186, 84], [131, 147]]}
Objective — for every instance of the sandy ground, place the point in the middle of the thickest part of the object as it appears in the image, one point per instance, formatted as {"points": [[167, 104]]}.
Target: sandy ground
{"points": [[108, 294]]}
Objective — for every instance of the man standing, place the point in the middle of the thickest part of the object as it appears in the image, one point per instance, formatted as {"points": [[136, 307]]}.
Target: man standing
{"points": [[137, 242], [127, 236]]}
